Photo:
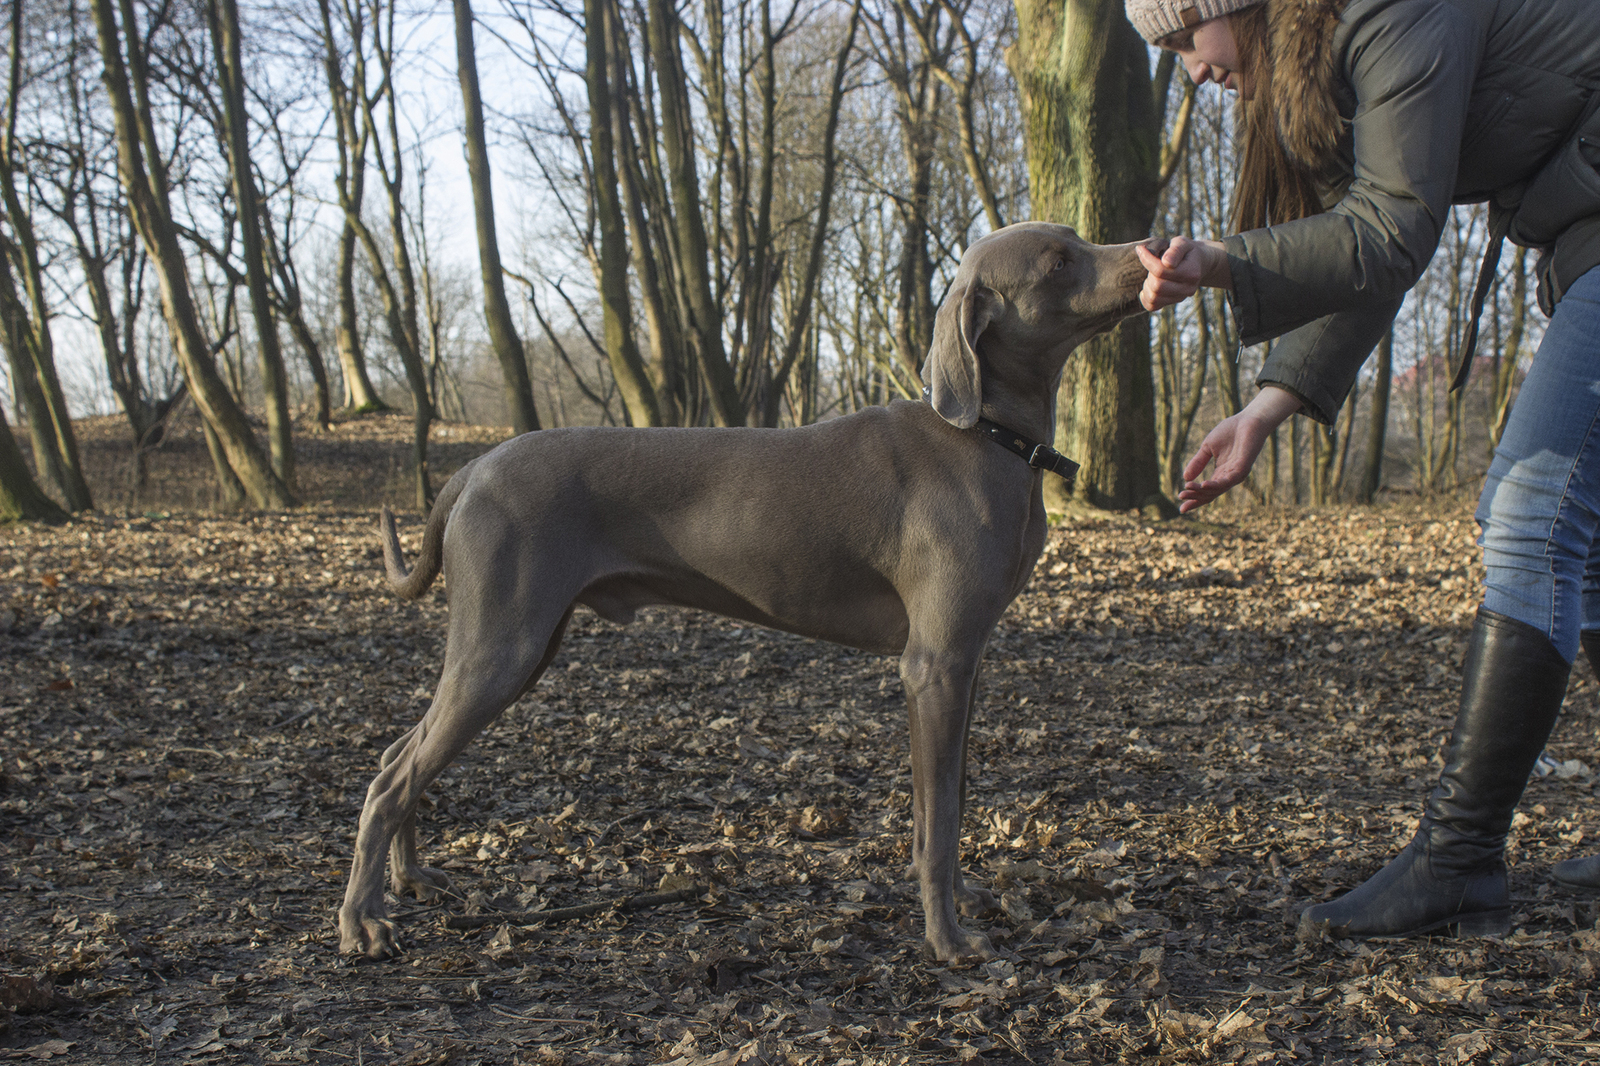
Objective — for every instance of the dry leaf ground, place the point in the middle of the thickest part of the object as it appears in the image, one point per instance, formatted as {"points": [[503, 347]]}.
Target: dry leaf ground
{"points": [[1188, 732]]}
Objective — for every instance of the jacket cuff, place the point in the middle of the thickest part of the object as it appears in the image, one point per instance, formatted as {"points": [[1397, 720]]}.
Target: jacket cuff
{"points": [[1287, 367], [1307, 408]]}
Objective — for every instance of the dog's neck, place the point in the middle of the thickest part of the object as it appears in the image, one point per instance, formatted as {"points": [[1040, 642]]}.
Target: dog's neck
{"points": [[1030, 411], [1026, 437]]}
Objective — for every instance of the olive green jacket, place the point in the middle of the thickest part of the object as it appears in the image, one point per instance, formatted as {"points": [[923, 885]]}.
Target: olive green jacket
{"points": [[1438, 102]]}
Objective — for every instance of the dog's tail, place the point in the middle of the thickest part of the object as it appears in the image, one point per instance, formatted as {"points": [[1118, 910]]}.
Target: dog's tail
{"points": [[411, 582]]}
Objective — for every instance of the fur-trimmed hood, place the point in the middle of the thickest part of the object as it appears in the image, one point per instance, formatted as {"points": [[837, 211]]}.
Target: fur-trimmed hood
{"points": [[1304, 76]]}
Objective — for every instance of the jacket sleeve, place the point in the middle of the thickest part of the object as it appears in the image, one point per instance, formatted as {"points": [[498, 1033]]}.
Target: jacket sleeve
{"points": [[1319, 361], [1411, 66]]}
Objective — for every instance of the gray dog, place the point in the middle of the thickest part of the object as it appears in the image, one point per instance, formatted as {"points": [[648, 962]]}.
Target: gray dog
{"points": [[904, 530]]}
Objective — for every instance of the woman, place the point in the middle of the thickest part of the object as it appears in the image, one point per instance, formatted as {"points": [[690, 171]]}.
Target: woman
{"points": [[1363, 121]]}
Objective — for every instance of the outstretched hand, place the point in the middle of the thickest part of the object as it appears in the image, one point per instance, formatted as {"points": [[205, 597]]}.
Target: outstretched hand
{"points": [[1233, 446], [1180, 270]]}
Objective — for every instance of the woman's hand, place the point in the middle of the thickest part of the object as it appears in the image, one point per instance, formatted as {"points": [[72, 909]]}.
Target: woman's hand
{"points": [[1178, 272], [1234, 445]]}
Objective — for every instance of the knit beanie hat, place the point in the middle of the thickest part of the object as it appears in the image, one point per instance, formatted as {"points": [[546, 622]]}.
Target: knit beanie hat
{"points": [[1155, 19]]}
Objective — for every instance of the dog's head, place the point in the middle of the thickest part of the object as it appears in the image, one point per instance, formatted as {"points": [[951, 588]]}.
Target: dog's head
{"points": [[1029, 293]]}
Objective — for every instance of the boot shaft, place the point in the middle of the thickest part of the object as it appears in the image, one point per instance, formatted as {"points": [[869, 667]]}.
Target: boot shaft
{"points": [[1512, 685]]}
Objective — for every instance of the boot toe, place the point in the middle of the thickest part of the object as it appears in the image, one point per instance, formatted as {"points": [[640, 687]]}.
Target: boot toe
{"points": [[1319, 921], [1582, 873], [1407, 898]]}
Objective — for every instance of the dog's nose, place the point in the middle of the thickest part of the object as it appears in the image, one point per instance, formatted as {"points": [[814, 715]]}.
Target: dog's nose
{"points": [[1157, 245]]}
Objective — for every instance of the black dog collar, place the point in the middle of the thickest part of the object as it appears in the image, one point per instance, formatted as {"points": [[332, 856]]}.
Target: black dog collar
{"points": [[1039, 456]]}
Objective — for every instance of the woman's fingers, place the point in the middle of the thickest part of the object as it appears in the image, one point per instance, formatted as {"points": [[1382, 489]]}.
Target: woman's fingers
{"points": [[1172, 276], [1195, 496], [1234, 444], [1233, 447], [1197, 465]]}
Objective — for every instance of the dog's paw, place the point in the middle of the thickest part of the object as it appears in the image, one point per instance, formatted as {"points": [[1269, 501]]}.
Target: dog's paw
{"points": [[962, 946], [374, 936], [423, 882], [975, 902]]}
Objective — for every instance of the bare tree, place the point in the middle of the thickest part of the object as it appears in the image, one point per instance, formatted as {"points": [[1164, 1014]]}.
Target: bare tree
{"points": [[379, 119], [1506, 359], [21, 498], [1093, 116], [351, 137], [29, 342], [1378, 422], [142, 167], [702, 314], [279, 238], [222, 17], [496, 309], [912, 45], [724, 262], [92, 212], [604, 66]]}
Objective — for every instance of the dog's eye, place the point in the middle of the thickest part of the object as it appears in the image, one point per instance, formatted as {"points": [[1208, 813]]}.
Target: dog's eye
{"points": [[1061, 264]]}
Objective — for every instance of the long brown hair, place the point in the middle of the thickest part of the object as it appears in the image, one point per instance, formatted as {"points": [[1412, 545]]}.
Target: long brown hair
{"points": [[1273, 186]]}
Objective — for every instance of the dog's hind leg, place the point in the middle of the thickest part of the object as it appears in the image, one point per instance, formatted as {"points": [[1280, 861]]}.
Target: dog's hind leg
{"points": [[406, 872], [483, 674]]}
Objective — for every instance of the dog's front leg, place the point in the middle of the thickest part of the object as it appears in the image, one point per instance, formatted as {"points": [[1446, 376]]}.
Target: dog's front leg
{"points": [[939, 689], [970, 899]]}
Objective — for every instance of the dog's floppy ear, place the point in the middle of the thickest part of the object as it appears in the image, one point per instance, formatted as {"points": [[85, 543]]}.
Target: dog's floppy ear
{"points": [[951, 371]]}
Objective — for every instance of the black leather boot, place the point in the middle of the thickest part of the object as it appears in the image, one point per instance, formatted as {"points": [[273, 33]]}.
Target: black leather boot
{"points": [[1583, 873], [1453, 874]]}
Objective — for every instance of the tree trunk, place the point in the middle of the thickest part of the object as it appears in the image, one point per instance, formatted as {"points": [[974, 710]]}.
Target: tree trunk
{"points": [[400, 293], [1294, 461], [20, 495], [143, 174], [1093, 140], [50, 421], [15, 329], [1342, 456], [1324, 448], [1378, 421], [1509, 355], [661, 319], [223, 16], [301, 331], [798, 328], [611, 263], [704, 316], [350, 180], [496, 309], [359, 395], [121, 361], [291, 306], [914, 310], [1185, 408], [231, 495]]}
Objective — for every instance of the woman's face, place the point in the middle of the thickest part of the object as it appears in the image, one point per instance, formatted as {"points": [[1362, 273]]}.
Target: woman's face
{"points": [[1209, 53]]}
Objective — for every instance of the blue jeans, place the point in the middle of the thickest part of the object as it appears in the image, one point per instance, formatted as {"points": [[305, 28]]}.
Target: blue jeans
{"points": [[1540, 508]]}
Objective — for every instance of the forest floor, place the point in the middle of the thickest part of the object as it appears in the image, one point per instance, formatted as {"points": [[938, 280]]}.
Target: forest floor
{"points": [[1187, 733]]}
